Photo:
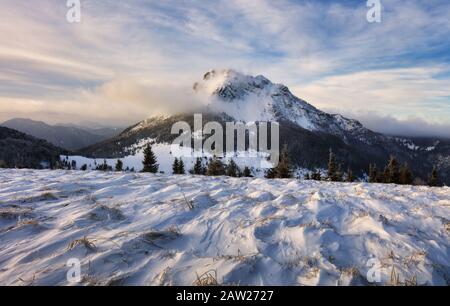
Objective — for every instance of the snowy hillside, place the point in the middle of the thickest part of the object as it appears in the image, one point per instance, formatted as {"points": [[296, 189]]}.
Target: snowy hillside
{"points": [[249, 98], [166, 155], [129, 229]]}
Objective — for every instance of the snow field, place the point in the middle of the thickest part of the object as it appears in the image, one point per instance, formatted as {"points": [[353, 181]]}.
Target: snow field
{"points": [[143, 229]]}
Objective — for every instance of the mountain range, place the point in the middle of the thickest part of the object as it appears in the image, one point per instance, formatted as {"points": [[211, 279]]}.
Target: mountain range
{"points": [[308, 132], [70, 137], [18, 150]]}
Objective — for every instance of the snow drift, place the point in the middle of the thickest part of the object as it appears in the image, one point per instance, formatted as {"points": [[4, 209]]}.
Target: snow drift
{"points": [[139, 229]]}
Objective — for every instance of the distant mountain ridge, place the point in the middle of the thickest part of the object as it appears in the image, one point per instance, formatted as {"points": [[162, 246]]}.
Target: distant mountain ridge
{"points": [[18, 150], [64, 136]]}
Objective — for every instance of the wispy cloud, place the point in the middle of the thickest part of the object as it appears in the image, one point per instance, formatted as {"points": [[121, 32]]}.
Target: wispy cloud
{"points": [[399, 93], [411, 126], [125, 58]]}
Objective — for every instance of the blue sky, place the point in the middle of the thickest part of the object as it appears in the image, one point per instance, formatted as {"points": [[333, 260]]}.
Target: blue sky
{"points": [[131, 59]]}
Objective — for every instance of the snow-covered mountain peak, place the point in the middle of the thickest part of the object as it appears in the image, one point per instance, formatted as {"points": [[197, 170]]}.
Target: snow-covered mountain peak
{"points": [[230, 84], [250, 98]]}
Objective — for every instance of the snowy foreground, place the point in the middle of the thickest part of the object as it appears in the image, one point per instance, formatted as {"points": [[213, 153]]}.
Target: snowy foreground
{"points": [[139, 229]]}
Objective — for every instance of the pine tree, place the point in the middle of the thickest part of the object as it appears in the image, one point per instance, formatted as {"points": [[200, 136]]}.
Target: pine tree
{"points": [[270, 173], [284, 168], [386, 175], [215, 167], [332, 168], [181, 169], [119, 166], [433, 179], [380, 177], [149, 161], [339, 174], [247, 172], [198, 167], [232, 169], [406, 177], [350, 178], [373, 174], [393, 171], [307, 177], [103, 167], [316, 175], [176, 166]]}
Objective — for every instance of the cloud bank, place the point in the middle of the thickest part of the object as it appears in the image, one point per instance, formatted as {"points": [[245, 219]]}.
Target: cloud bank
{"points": [[412, 127]]}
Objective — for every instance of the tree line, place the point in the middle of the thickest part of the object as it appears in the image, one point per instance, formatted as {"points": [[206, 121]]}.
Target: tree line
{"points": [[392, 173], [214, 167]]}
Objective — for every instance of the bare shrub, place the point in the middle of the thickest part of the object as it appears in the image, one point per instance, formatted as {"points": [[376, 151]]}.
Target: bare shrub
{"points": [[209, 278], [83, 241]]}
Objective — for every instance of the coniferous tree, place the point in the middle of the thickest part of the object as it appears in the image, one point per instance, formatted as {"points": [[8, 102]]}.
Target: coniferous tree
{"points": [[119, 166], [149, 161], [198, 167], [181, 169], [380, 177], [316, 175], [433, 179], [284, 168], [176, 166], [307, 176], [419, 182], [373, 174], [83, 168], [232, 169], [386, 175], [332, 167], [102, 167], [63, 165], [406, 177], [393, 171], [349, 177], [270, 173], [247, 172], [99, 167], [215, 167], [339, 174]]}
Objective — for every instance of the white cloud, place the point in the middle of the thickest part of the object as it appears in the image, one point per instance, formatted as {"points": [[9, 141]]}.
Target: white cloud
{"points": [[399, 93], [129, 59], [411, 126]]}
